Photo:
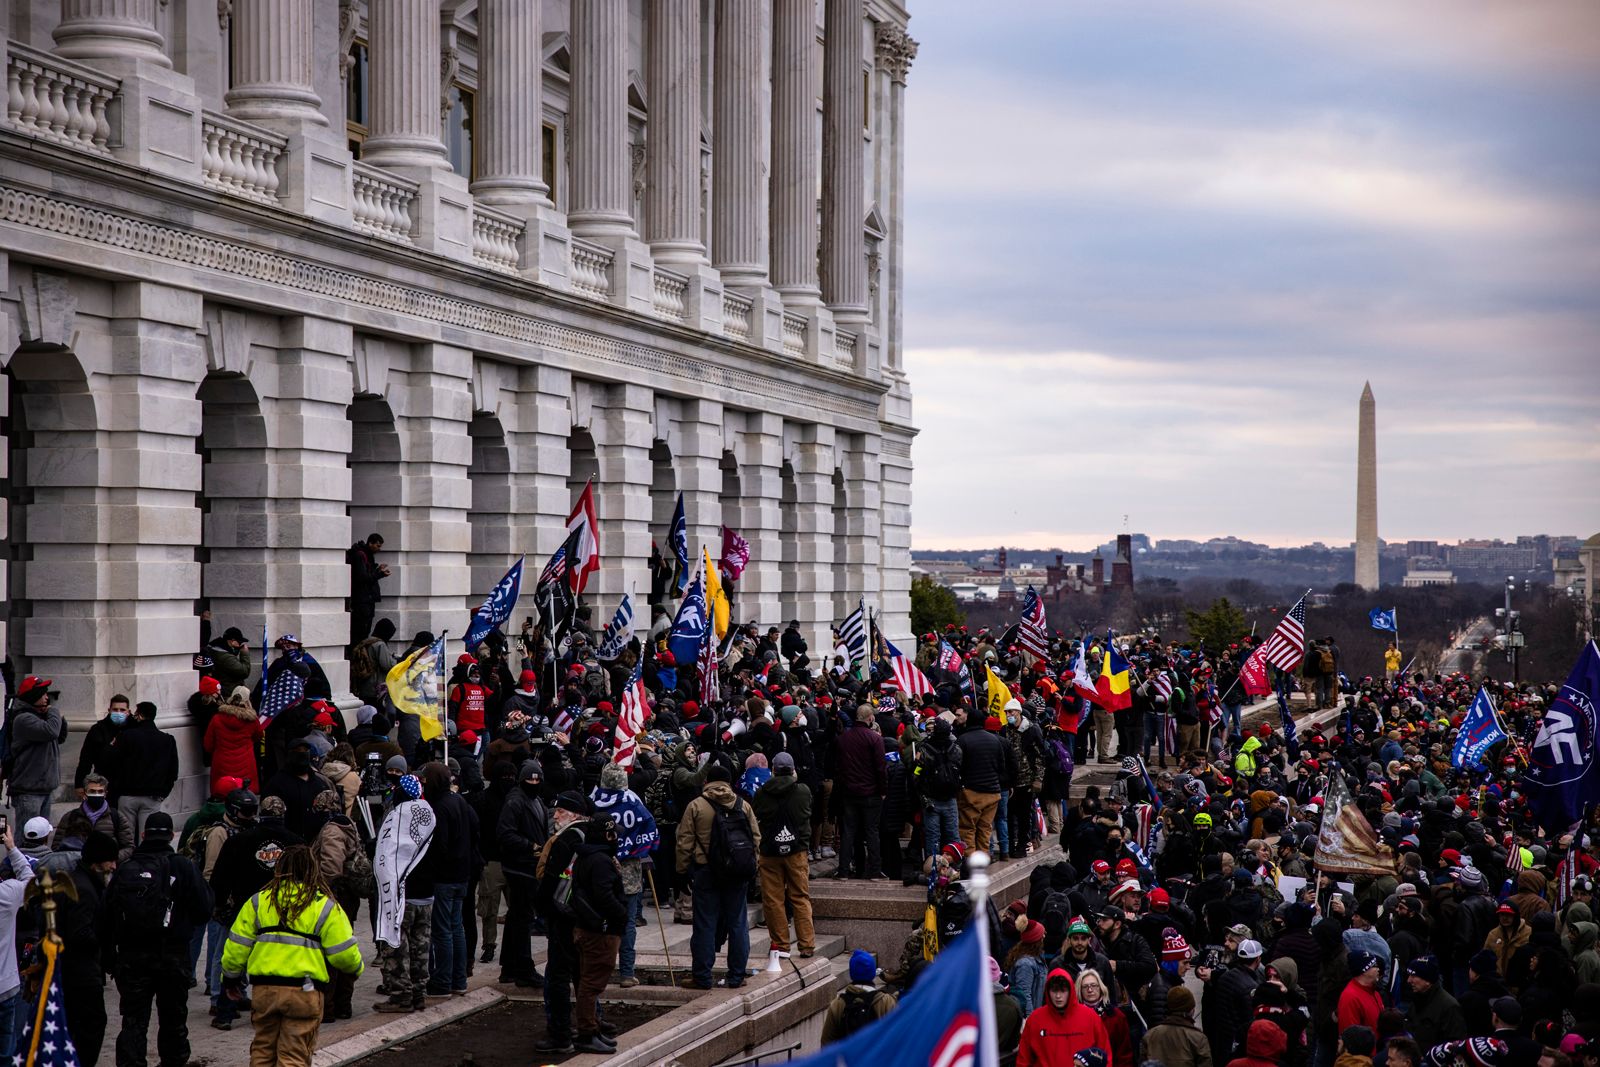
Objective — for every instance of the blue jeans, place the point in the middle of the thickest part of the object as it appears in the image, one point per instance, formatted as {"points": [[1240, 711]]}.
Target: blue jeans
{"points": [[1231, 718], [719, 914], [449, 970], [25, 806], [625, 953], [940, 824], [216, 935], [1002, 829], [11, 1010]]}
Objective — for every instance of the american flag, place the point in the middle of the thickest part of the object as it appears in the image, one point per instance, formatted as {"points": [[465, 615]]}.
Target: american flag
{"points": [[1287, 645], [1566, 874], [1169, 732], [853, 633], [1030, 628], [706, 661], [910, 679], [1144, 821], [950, 660], [286, 690], [630, 722], [1161, 682], [1514, 865], [52, 1046]]}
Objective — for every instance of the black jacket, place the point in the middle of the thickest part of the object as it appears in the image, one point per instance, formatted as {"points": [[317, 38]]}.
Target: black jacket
{"points": [[245, 864], [453, 856], [563, 849], [144, 760], [127, 947], [598, 900], [783, 800], [364, 576], [931, 754], [488, 805], [521, 831], [95, 755], [1234, 990], [297, 795], [984, 761], [78, 923]]}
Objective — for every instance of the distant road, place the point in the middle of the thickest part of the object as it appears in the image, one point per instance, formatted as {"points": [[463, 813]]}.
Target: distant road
{"points": [[1467, 652]]}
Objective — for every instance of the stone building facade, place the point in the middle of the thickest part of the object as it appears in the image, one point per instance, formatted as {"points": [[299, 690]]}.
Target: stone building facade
{"points": [[280, 273]]}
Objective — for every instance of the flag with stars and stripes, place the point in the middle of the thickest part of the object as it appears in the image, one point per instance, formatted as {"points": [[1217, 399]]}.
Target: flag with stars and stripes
{"points": [[907, 676], [630, 722], [287, 689], [1031, 633], [707, 662], [853, 633], [1287, 645], [1161, 682], [50, 1045]]}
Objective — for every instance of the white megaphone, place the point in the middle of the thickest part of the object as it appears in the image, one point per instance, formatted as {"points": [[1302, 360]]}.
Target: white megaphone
{"points": [[775, 962]]}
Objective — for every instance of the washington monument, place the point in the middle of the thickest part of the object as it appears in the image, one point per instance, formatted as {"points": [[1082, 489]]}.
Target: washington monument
{"points": [[1367, 493]]}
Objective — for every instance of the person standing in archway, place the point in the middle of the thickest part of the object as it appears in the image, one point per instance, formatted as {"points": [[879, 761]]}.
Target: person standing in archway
{"points": [[365, 574]]}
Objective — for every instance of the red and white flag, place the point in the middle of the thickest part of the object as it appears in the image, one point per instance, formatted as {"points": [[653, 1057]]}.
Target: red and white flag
{"points": [[630, 722], [907, 675], [586, 558]]}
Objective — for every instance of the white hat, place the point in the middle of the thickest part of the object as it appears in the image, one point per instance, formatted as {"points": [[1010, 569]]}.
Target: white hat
{"points": [[1249, 949], [37, 828]]}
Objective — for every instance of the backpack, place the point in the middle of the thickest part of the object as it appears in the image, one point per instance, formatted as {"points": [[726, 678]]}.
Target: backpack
{"points": [[1060, 759], [943, 780], [732, 851], [357, 878], [1325, 661], [194, 846], [1055, 912], [141, 895], [858, 1010], [658, 798], [361, 665]]}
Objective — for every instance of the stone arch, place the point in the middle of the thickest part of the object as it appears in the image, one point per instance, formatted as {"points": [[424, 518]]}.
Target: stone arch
{"points": [[377, 489], [489, 474], [663, 503], [236, 520]]}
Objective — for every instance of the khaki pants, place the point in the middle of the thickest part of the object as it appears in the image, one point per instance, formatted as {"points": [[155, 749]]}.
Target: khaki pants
{"points": [[975, 815], [787, 879], [491, 889], [597, 959], [1105, 731], [1052, 816], [1188, 738], [286, 1020]]}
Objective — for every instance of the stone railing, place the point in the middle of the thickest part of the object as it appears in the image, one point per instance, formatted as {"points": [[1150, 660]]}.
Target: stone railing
{"points": [[844, 349], [494, 239], [670, 299], [736, 311], [591, 269], [239, 158], [794, 334], [381, 202], [58, 100]]}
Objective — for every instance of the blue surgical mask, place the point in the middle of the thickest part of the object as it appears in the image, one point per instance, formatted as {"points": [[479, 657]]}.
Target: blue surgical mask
{"points": [[119, 717]]}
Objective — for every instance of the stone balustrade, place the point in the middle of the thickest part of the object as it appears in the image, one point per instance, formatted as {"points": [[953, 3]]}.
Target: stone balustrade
{"points": [[382, 203], [58, 100], [591, 269], [844, 349], [239, 158], [670, 297], [736, 312], [495, 236], [794, 334]]}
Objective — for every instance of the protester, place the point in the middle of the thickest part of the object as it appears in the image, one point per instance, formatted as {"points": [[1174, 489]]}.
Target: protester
{"points": [[145, 767], [783, 814], [1060, 1027], [718, 843], [858, 1004]]}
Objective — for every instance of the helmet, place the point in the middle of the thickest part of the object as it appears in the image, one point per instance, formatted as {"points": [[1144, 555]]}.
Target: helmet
{"points": [[1202, 820], [241, 805]]}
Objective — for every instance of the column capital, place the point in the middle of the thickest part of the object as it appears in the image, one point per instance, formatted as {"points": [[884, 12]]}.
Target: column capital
{"points": [[894, 51]]}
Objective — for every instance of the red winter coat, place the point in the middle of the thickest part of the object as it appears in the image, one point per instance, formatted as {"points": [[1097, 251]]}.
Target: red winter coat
{"points": [[231, 743], [1264, 1046], [1050, 1038]]}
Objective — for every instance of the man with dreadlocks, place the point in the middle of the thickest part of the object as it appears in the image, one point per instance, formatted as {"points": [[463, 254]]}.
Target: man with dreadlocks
{"points": [[285, 938]]}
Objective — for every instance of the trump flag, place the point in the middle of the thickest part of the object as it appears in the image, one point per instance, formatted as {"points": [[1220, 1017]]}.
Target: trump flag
{"points": [[497, 607], [1480, 731], [1562, 782]]}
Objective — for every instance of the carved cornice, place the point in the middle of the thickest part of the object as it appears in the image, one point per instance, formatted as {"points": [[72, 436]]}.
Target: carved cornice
{"points": [[895, 50]]}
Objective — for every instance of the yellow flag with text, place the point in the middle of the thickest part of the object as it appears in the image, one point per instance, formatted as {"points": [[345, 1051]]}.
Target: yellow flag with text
{"points": [[999, 695], [416, 686], [716, 599]]}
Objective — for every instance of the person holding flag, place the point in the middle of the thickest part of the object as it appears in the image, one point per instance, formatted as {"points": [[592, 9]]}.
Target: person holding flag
{"points": [[416, 688]]}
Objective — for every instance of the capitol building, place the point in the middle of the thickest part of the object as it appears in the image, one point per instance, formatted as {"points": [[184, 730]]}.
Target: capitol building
{"points": [[281, 273]]}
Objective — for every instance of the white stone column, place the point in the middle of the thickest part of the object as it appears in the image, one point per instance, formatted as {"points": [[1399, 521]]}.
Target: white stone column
{"points": [[895, 52], [813, 464], [699, 463], [598, 209], [885, 465], [844, 266], [741, 145], [793, 219], [159, 108], [510, 119], [273, 63], [406, 118], [623, 432]]}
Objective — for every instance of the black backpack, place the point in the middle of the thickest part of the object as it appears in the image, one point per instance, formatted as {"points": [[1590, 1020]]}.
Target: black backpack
{"points": [[658, 799], [732, 853], [940, 778], [1055, 912], [141, 896], [858, 1010]]}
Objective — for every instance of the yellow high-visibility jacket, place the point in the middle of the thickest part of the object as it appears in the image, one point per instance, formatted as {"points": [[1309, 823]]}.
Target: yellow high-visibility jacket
{"points": [[263, 945]]}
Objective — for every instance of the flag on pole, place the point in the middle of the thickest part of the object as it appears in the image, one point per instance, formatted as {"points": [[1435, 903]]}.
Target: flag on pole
{"points": [[716, 597], [1253, 672], [585, 558], [735, 552], [1031, 633], [618, 632], [1383, 620], [690, 625], [1562, 781], [1345, 841], [497, 607], [45, 1039], [1144, 819], [1286, 646], [630, 720], [1516, 862], [950, 660], [1169, 732], [853, 633], [1082, 677], [678, 540], [553, 594], [946, 1020], [1566, 875], [907, 675], [1112, 685], [287, 689], [998, 695], [1480, 731], [416, 687], [710, 683]]}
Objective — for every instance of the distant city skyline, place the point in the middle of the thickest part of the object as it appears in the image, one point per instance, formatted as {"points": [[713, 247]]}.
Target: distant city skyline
{"points": [[1154, 250], [1089, 544]]}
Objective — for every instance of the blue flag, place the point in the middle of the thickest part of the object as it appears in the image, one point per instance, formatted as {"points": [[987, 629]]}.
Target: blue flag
{"points": [[947, 1018], [678, 540], [689, 628], [496, 607], [1480, 731], [1562, 782], [1383, 620], [617, 632]]}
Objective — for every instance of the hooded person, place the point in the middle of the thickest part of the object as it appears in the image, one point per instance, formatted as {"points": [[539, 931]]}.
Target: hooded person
{"points": [[858, 1004], [1060, 1027], [1176, 1041], [230, 741], [637, 837], [403, 931], [1264, 1046]]}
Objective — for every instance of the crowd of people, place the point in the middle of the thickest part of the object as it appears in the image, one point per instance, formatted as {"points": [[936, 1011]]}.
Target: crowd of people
{"points": [[1183, 922]]}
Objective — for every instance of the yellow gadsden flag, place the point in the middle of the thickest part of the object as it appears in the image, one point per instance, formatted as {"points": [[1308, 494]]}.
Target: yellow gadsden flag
{"points": [[416, 686], [716, 599], [999, 695]]}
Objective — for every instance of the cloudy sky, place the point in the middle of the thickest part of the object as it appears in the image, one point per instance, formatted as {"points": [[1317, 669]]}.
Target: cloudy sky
{"points": [[1154, 250]]}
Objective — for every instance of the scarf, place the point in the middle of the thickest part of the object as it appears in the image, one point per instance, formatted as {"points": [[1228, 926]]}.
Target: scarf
{"points": [[637, 836], [402, 843], [96, 813]]}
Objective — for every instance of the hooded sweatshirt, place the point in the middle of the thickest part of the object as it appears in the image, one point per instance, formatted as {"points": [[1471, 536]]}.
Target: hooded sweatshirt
{"points": [[1245, 761], [1581, 946], [1264, 1046], [1529, 898], [1050, 1037], [230, 741]]}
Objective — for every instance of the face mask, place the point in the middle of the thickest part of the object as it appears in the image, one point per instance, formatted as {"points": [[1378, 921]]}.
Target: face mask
{"points": [[531, 788], [119, 717], [298, 762]]}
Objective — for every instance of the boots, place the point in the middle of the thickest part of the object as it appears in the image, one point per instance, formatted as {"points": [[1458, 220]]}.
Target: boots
{"points": [[344, 988]]}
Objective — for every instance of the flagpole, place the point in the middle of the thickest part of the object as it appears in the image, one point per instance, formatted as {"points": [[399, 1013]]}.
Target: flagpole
{"points": [[444, 715]]}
